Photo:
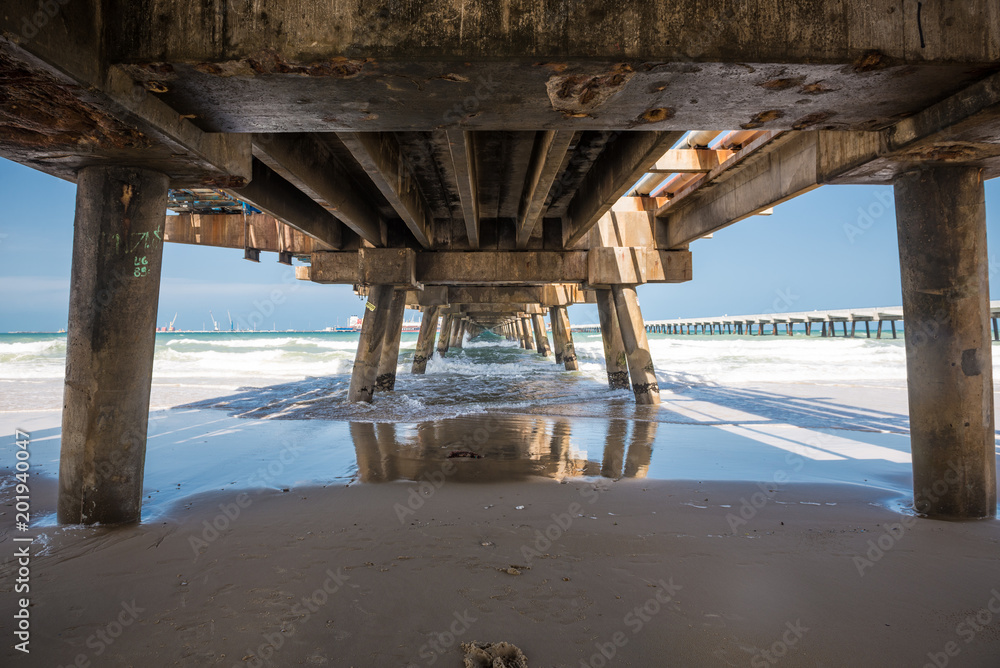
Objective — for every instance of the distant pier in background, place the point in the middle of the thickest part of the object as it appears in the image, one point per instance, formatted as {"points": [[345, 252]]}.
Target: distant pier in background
{"points": [[775, 323], [784, 323]]}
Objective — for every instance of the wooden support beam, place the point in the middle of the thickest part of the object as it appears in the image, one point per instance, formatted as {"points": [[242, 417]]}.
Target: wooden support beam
{"points": [[689, 161], [510, 268], [766, 179], [463, 159], [311, 167], [271, 193], [379, 155], [547, 157], [619, 166], [257, 230]]}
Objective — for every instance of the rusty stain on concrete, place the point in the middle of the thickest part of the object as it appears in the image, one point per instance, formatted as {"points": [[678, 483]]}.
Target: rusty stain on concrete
{"points": [[582, 93], [762, 118]]}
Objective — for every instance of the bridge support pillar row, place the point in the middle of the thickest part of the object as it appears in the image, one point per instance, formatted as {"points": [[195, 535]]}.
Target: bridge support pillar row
{"points": [[541, 336], [114, 291], [640, 362], [425, 339], [385, 381], [566, 334], [941, 224], [615, 358], [370, 344], [529, 339]]}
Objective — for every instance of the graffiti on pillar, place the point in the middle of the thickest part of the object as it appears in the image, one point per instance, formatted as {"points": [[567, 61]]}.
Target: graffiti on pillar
{"points": [[137, 244]]}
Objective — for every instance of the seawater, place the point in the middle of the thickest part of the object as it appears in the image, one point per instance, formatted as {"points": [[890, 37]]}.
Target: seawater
{"points": [[487, 373]]}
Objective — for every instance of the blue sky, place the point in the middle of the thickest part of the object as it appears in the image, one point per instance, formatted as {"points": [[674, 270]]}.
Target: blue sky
{"points": [[832, 248]]}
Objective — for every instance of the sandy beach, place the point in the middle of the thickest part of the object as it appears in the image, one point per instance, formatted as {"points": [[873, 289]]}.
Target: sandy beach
{"points": [[739, 524]]}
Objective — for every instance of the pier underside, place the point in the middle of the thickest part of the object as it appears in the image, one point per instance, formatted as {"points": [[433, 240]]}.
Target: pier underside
{"points": [[491, 164]]}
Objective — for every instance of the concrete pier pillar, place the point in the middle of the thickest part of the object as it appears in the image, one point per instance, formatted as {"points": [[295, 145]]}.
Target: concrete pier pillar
{"points": [[557, 340], [615, 358], [941, 225], [425, 339], [114, 290], [444, 338], [369, 356], [458, 333], [519, 332], [385, 381], [640, 362], [566, 335], [526, 327], [541, 336]]}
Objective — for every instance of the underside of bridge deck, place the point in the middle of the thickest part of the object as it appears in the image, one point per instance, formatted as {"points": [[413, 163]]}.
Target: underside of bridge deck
{"points": [[490, 163]]}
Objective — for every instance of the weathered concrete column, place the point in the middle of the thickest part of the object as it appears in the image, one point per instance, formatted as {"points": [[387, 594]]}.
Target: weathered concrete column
{"points": [[614, 350], [369, 356], [541, 336], [640, 362], [557, 342], [444, 338], [385, 381], [425, 339], [941, 225], [526, 327], [518, 331], [457, 328], [566, 336], [114, 291]]}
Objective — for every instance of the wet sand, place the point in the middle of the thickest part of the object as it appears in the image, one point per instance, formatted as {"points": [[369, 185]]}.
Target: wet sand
{"points": [[655, 572], [759, 525]]}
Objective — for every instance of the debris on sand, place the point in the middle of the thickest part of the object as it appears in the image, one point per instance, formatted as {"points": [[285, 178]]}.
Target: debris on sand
{"points": [[493, 655]]}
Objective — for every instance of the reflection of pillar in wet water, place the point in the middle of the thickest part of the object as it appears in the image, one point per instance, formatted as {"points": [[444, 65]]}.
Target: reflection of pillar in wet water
{"points": [[614, 449], [367, 451], [640, 449], [559, 447], [388, 447]]}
